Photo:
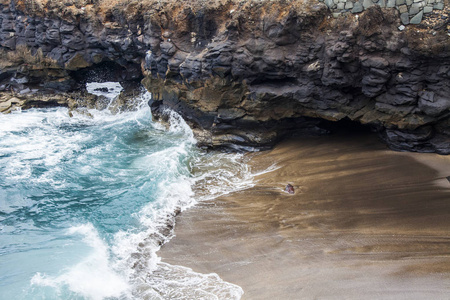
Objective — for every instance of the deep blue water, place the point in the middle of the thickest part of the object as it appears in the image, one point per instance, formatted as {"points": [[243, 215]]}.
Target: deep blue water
{"points": [[83, 200]]}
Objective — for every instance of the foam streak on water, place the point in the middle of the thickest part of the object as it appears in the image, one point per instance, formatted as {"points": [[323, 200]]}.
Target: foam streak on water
{"points": [[86, 202]]}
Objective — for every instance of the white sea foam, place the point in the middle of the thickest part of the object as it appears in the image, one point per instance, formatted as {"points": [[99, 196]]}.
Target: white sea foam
{"points": [[92, 278], [178, 125], [127, 267], [177, 282], [136, 251], [109, 90], [43, 144]]}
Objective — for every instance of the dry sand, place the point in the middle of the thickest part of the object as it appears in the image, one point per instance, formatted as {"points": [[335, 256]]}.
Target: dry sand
{"points": [[365, 223]]}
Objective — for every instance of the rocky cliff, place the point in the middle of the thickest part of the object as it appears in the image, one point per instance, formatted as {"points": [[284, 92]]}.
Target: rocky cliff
{"points": [[243, 73]]}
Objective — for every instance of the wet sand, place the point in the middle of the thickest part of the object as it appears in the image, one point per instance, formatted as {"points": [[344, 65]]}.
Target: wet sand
{"points": [[365, 223]]}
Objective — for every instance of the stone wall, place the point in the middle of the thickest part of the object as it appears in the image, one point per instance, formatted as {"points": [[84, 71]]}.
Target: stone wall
{"points": [[411, 11]]}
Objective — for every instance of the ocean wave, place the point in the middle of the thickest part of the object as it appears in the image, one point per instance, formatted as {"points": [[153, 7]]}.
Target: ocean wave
{"points": [[92, 176], [93, 277]]}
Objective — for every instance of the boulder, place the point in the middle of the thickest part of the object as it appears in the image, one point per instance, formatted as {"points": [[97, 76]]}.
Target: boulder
{"points": [[433, 105]]}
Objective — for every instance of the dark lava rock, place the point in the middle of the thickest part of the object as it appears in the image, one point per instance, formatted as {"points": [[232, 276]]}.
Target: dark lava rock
{"points": [[242, 74]]}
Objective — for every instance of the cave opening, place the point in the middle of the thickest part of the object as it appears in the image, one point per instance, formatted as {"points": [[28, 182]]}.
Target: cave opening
{"points": [[346, 127], [274, 81], [108, 71]]}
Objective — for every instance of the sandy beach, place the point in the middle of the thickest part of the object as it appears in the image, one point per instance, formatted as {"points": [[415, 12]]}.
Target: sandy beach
{"points": [[365, 222]]}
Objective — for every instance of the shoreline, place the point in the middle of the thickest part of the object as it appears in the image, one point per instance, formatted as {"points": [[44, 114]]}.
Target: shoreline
{"points": [[364, 222]]}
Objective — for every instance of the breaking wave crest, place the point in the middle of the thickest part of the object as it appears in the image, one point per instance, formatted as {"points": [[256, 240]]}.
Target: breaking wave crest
{"points": [[95, 196]]}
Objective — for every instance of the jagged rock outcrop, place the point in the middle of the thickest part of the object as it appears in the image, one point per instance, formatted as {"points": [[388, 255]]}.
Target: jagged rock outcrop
{"points": [[244, 74]]}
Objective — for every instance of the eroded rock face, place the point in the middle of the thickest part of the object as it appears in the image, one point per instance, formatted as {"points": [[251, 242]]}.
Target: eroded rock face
{"points": [[45, 45], [246, 74], [270, 71]]}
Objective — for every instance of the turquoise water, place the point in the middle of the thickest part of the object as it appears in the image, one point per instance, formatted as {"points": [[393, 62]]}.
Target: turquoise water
{"points": [[85, 201]]}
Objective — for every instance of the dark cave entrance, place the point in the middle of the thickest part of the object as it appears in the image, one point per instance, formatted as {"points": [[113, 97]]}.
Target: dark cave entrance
{"points": [[346, 127], [108, 71]]}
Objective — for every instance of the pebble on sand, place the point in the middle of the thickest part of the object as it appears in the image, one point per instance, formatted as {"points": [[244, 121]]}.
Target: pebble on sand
{"points": [[289, 189]]}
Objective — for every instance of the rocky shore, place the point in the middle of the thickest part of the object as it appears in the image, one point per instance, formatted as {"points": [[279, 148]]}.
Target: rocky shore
{"points": [[243, 74]]}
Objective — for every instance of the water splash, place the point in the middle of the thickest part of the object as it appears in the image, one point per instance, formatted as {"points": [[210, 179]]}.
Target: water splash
{"points": [[86, 202], [93, 277]]}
